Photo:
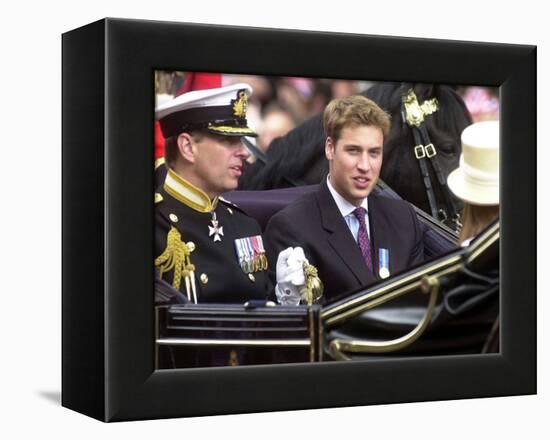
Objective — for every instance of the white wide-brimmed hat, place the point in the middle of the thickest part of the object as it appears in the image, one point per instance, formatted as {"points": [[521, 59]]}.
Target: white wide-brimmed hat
{"points": [[476, 179]]}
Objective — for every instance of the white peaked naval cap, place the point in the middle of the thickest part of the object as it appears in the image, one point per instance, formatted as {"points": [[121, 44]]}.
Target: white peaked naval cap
{"points": [[219, 111]]}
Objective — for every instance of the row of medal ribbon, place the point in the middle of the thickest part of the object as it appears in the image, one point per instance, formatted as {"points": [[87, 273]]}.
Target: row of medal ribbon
{"points": [[251, 254]]}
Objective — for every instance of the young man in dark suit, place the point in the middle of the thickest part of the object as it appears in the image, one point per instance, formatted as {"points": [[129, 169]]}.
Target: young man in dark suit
{"points": [[353, 237]]}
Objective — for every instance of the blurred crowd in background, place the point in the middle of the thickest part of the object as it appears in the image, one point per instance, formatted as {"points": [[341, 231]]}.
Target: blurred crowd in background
{"points": [[279, 104]]}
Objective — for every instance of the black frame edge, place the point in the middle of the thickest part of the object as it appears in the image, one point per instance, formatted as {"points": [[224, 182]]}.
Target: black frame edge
{"points": [[83, 55], [519, 219]]}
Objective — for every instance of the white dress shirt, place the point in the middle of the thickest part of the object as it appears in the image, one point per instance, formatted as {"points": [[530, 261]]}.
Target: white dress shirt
{"points": [[346, 209]]}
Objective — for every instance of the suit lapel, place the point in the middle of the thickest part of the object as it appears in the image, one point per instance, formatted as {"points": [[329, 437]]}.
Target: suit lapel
{"points": [[340, 238]]}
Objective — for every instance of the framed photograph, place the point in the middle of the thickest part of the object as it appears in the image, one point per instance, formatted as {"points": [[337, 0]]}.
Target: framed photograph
{"points": [[113, 74]]}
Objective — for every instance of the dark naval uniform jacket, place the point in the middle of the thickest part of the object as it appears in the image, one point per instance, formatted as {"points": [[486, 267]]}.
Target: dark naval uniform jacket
{"points": [[188, 240], [315, 223]]}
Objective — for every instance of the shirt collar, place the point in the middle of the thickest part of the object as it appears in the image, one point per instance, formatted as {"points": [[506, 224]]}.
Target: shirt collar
{"points": [[345, 207], [187, 193]]}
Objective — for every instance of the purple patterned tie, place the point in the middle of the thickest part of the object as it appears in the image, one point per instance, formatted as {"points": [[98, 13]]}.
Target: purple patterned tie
{"points": [[363, 236]]}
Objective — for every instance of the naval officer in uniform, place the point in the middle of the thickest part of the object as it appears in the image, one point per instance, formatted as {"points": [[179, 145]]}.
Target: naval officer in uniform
{"points": [[205, 247]]}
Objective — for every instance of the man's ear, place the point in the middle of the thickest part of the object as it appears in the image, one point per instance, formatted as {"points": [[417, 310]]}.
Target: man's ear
{"points": [[186, 147], [329, 148]]}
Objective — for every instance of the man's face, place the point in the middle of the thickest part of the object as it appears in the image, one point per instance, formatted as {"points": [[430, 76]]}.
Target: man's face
{"points": [[218, 163], [355, 161]]}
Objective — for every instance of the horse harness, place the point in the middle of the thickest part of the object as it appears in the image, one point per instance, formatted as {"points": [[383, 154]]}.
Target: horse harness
{"points": [[414, 115]]}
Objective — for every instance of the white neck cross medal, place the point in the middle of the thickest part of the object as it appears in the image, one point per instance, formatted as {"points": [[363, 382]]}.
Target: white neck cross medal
{"points": [[216, 230]]}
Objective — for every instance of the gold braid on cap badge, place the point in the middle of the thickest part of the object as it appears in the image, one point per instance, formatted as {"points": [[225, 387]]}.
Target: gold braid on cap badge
{"points": [[228, 129], [240, 105]]}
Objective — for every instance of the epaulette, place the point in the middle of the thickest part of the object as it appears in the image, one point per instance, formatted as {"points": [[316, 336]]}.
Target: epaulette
{"points": [[231, 205], [160, 161], [158, 198], [227, 202]]}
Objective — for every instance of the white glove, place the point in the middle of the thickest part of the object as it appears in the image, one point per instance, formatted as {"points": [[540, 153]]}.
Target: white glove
{"points": [[290, 275]]}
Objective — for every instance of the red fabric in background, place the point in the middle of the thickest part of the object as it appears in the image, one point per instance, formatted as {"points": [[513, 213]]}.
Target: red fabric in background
{"points": [[200, 81], [159, 141], [193, 81]]}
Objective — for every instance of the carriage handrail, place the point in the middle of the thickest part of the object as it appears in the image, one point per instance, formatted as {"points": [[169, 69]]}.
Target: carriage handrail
{"points": [[411, 281], [337, 347]]}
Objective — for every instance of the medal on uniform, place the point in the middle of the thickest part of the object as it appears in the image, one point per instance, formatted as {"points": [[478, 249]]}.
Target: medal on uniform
{"points": [[251, 254], [383, 263], [215, 230], [259, 253], [241, 255], [265, 264]]}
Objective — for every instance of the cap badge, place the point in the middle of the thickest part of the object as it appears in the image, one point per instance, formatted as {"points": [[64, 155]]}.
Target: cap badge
{"points": [[240, 105]]}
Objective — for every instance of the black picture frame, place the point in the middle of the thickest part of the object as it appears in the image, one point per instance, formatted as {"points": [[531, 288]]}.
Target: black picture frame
{"points": [[107, 303]]}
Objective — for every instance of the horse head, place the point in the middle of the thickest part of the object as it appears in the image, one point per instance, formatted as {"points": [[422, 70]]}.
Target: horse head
{"points": [[299, 157], [401, 169]]}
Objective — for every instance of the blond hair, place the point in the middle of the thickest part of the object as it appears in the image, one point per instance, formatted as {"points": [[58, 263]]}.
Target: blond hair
{"points": [[353, 111], [475, 218]]}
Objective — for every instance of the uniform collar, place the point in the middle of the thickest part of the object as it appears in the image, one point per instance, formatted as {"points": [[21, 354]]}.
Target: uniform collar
{"points": [[188, 194], [345, 207]]}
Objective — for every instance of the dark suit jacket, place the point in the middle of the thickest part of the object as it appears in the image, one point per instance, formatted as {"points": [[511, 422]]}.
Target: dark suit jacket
{"points": [[315, 223]]}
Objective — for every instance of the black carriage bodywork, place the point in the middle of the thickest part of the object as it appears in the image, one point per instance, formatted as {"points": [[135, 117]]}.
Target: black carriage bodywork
{"points": [[201, 335], [447, 306]]}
